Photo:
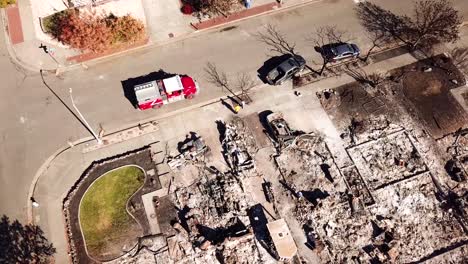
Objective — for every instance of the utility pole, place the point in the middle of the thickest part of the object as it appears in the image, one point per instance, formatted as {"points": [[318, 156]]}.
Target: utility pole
{"points": [[99, 141]]}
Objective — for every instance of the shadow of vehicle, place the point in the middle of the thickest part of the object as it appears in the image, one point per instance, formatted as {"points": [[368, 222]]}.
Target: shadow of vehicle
{"points": [[262, 116], [269, 65], [129, 84]]}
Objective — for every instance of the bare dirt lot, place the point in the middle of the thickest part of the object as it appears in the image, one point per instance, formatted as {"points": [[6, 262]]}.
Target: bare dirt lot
{"points": [[425, 89]]}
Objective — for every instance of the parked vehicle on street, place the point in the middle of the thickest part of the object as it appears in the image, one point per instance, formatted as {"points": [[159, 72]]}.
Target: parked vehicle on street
{"points": [[285, 70], [157, 93], [339, 51]]}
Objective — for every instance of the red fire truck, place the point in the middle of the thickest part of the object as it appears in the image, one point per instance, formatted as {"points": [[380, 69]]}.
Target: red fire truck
{"points": [[157, 93]]}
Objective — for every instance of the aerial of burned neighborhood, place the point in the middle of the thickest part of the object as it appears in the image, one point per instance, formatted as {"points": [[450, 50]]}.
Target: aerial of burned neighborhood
{"points": [[234, 131]]}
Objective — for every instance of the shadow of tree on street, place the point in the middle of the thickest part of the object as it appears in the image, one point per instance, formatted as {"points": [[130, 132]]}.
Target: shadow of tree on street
{"points": [[23, 243]]}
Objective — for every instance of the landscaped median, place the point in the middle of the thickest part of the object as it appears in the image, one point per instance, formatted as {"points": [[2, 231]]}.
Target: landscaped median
{"points": [[89, 31], [105, 223]]}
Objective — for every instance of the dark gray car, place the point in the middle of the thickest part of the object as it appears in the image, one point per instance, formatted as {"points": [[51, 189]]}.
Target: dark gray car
{"points": [[285, 69], [339, 51]]}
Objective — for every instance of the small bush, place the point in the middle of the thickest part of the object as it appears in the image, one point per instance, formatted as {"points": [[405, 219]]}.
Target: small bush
{"points": [[85, 32], [125, 29], [50, 24], [5, 3], [89, 31]]}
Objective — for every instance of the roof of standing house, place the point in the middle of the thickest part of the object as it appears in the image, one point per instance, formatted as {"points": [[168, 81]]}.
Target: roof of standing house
{"points": [[282, 239]]}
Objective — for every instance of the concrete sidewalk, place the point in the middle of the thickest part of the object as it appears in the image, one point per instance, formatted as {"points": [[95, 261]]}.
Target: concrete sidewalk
{"points": [[66, 167], [164, 21]]}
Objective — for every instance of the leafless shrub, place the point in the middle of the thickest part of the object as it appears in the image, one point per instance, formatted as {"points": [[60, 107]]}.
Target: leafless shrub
{"points": [[216, 77], [220, 79], [244, 84], [214, 7]]}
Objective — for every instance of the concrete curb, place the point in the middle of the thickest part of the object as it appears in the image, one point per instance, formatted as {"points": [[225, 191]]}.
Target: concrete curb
{"points": [[42, 170]]}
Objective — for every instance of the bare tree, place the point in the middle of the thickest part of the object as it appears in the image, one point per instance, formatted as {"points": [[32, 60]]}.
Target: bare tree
{"points": [[244, 84], [219, 78], [377, 40], [433, 21], [324, 36], [274, 39], [216, 77]]}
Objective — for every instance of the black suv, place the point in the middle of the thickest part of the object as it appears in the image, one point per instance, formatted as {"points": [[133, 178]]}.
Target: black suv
{"points": [[284, 70]]}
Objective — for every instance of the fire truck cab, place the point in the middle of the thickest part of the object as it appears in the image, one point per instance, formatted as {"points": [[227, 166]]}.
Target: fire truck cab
{"points": [[157, 93]]}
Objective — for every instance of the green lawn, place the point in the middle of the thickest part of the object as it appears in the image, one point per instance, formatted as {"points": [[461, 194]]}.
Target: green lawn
{"points": [[103, 215]]}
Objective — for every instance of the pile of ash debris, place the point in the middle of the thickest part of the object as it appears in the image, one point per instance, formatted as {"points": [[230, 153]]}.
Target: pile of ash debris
{"points": [[239, 145], [309, 171], [404, 225], [213, 218], [387, 159], [360, 131], [192, 150], [457, 166]]}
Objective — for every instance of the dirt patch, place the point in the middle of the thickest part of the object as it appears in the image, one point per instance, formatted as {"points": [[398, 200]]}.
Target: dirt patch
{"points": [[425, 87], [166, 213]]}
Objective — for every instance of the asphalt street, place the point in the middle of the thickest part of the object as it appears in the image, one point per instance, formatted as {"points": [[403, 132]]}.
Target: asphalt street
{"points": [[35, 124]]}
